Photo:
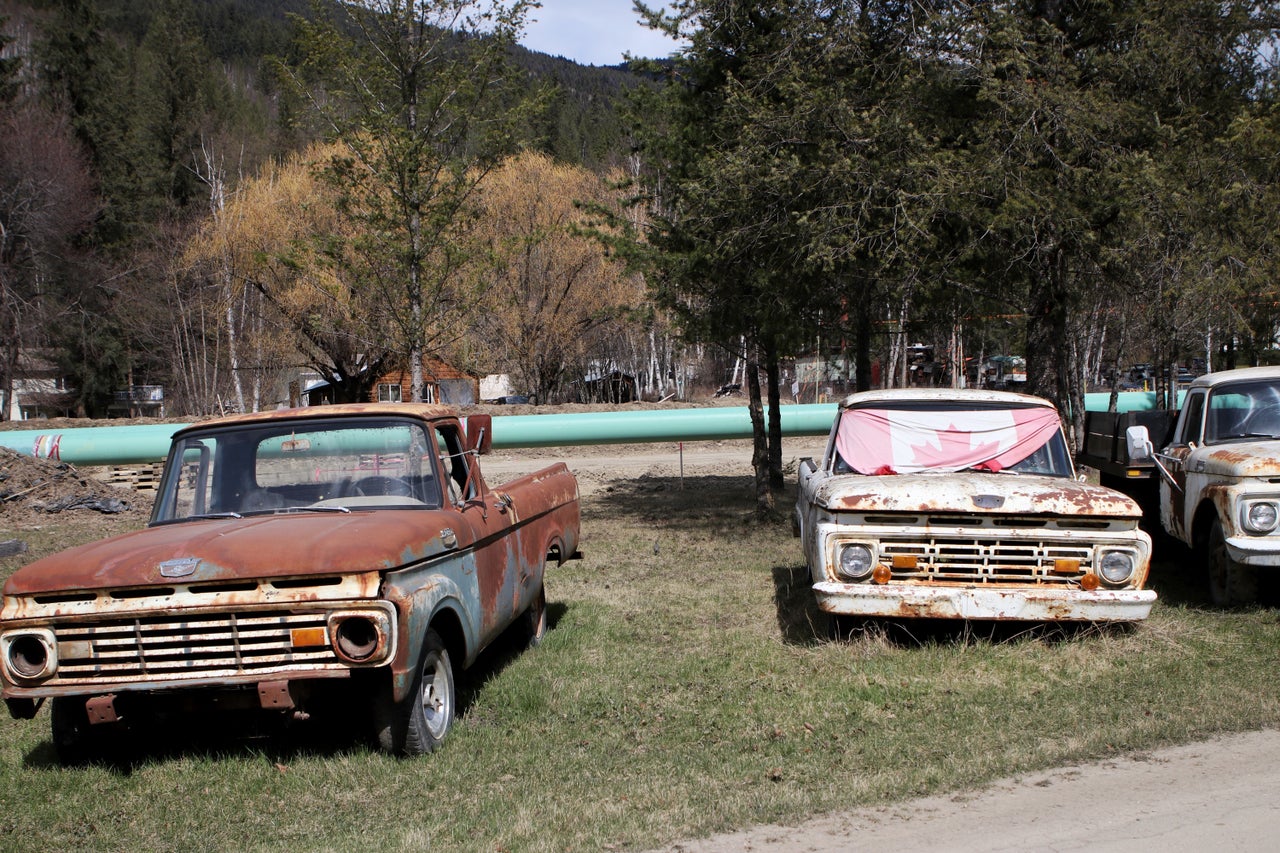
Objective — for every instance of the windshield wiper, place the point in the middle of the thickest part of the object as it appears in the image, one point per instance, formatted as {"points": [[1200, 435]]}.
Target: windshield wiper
{"points": [[214, 515], [1246, 436]]}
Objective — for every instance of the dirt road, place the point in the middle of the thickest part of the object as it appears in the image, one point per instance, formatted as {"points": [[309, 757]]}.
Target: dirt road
{"points": [[1221, 795]]}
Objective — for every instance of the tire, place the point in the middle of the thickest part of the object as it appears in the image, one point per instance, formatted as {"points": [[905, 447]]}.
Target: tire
{"points": [[533, 622], [420, 722], [1230, 584]]}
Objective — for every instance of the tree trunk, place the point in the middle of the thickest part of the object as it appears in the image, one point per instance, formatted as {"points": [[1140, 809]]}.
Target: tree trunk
{"points": [[772, 371], [760, 448], [862, 351]]}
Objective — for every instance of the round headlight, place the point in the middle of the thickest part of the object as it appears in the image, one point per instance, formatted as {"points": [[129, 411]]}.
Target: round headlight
{"points": [[856, 562], [1261, 517], [1116, 567], [30, 656], [356, 638]]}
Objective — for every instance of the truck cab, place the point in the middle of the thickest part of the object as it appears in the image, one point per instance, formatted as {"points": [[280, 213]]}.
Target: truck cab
{"points": [[1220, 478]]}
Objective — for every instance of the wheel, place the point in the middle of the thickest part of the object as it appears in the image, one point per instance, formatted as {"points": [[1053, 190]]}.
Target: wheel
{"points": [[419, 724], [379, 486], [533, 622], [76, 740], [1230, 584]]}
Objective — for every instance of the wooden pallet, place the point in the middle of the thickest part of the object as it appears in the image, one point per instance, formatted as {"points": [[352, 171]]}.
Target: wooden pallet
{"points": [[140, 478]]}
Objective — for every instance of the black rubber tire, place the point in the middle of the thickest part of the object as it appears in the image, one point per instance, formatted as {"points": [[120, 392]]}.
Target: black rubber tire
{"points": [[533, 622], [420, 723], [1230, 583]]}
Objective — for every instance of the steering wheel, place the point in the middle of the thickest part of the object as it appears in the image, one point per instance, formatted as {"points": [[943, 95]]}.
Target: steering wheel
{"points": [[380, 485], [1263, 421]]}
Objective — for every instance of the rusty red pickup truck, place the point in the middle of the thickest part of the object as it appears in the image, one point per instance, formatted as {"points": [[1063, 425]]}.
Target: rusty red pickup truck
{"points": [[294, 560]]}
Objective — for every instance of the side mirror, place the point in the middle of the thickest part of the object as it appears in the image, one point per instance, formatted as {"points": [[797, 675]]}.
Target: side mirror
{"points": [[479, 433], [1139, 441]]}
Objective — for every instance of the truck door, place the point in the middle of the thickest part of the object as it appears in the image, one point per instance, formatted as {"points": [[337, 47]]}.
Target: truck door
{"points": [[1188, 435], [487, 531]]}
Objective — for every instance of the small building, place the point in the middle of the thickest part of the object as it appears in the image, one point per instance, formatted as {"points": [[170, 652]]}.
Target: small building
{"points": [[40, 390], [138, 401], [441, 383]]}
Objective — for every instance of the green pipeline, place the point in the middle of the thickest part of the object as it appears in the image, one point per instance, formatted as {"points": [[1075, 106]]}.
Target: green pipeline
{"points": [[131, 445]]}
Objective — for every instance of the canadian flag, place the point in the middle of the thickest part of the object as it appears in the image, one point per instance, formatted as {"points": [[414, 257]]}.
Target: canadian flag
{"points": [[907, 441]]}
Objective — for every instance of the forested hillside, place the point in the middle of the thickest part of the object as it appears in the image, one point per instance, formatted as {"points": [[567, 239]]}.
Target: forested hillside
{"points": [[128, 127]]}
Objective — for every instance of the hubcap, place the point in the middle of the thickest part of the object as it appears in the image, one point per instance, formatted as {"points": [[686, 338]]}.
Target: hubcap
{"points": [[437, 697]]}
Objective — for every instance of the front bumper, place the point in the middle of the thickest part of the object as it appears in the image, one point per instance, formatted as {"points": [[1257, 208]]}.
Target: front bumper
{"points": [[1254, 550], [993, 603]]}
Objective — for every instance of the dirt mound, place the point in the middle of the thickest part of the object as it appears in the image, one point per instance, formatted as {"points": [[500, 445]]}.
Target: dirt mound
{"points": [[32, 488]]}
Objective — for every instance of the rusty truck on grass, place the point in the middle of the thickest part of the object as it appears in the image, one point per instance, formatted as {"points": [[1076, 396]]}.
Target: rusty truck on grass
{"points": [[347, 554], [1219, 489], [940, 503]]}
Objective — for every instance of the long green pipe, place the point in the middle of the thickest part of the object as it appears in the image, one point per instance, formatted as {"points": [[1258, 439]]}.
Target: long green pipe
{"points": [[130, 445]]}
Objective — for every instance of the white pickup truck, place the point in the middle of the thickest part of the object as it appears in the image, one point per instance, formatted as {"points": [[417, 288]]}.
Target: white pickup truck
{"points": [[1220, 477], [964, 505]]}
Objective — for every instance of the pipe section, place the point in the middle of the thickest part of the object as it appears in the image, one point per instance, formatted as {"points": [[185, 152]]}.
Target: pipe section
{"points": [[131, 445]]}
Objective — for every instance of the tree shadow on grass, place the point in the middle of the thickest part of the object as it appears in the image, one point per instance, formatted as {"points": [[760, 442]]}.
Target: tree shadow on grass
{"points": [[340, 722], [693, 503]]}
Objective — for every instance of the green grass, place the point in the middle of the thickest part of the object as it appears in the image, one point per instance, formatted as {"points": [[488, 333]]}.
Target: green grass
{"points": [[678, 694]]}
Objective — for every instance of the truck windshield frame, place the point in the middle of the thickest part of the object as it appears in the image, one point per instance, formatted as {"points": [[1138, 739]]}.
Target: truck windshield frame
{"points": [[1000, 438], [292, 466], [1240, 411]]}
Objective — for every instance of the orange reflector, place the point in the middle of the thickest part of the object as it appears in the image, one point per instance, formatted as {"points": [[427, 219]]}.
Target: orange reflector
{"points": [[1066, 567], [304, 637], [1089, 582], [904, 561], [881, 574]]}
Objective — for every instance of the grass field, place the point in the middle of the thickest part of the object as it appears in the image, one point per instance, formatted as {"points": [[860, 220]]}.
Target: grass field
{"points": [[684, 688]]}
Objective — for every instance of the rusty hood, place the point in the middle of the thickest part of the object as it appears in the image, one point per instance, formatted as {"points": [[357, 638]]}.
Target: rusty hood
{"points": [[244, 548], [1241, 459], [972, 493]]}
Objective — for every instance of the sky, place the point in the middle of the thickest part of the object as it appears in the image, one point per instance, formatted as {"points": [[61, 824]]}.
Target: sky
{"points": [[592, 32]]}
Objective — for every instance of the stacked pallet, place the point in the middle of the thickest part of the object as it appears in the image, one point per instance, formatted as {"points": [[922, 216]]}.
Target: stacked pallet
{"points": [[140, 478]]}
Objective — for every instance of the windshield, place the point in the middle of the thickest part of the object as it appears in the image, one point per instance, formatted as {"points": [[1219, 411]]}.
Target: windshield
{"points": [[945, 437], [336, 465], [1243, 410]]}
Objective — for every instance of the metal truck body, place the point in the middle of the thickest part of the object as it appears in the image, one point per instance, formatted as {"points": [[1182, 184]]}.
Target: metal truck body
{"points": [[1220, 477], [964, 505], [352, 550]]}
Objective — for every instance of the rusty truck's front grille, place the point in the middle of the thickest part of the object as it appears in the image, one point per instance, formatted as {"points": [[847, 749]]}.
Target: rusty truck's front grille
{"points": [[195, 646], [957, 559]]}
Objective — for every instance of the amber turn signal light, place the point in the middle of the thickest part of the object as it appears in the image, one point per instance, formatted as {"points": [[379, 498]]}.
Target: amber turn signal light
{"points": [[301, 638], [1066, 567], [1089, 582], [881, 574]]}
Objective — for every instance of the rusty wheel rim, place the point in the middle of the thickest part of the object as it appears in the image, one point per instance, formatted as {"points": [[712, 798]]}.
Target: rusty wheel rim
{"points": [[437, 694]]}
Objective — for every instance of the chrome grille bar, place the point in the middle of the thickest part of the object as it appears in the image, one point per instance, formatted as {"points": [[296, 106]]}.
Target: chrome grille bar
{"points": [[968, 560], [195, 646]]}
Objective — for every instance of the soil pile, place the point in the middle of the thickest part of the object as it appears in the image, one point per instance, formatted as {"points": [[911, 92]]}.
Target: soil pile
{"points": [[31, 489]]}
